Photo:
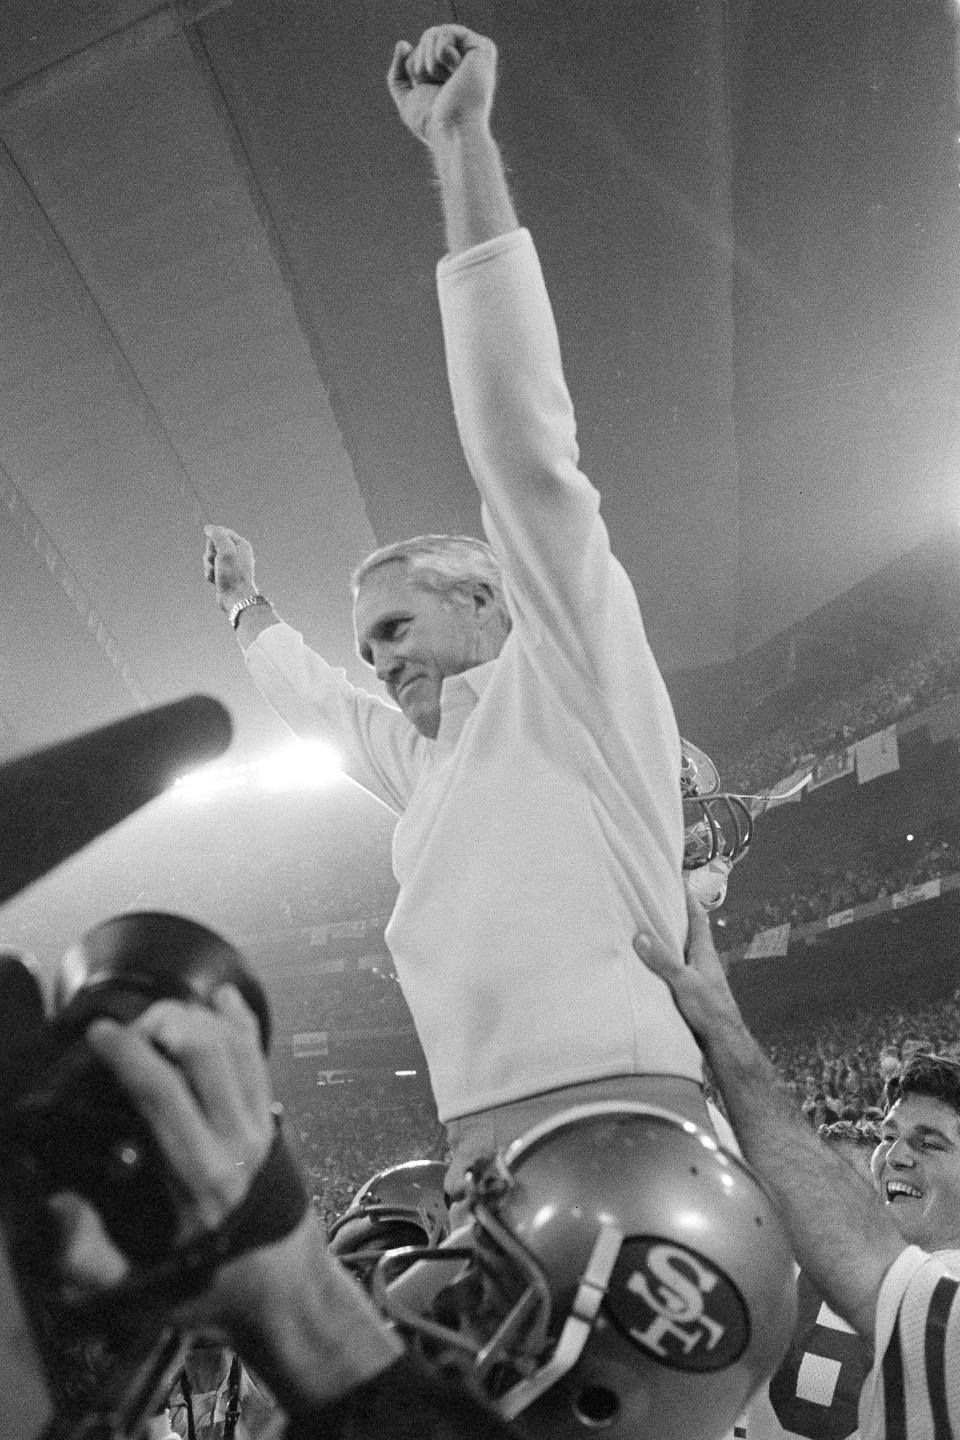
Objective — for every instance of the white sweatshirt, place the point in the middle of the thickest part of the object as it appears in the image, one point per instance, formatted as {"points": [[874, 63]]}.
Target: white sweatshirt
{"points": [[543, 828]]}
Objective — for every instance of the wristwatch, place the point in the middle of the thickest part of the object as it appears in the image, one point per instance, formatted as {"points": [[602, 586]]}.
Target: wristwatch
{"points": [[235, 611]]}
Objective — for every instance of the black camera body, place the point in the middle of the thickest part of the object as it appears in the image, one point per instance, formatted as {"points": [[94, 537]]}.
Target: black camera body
{"points": [[65, 1125]]}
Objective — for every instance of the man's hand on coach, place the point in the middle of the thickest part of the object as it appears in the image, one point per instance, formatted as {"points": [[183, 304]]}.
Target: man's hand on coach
{"points": [[699, 987]]}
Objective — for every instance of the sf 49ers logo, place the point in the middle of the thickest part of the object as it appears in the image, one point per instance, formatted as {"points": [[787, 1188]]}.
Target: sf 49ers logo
{"points": [[676, 1306]]}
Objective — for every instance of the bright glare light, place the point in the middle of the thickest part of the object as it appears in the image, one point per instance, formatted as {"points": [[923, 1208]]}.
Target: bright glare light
{"points": [[909, 837], [304, 765], [210, 781], [404, 1072]]}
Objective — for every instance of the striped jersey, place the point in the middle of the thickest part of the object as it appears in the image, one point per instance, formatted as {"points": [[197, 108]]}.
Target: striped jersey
{"points": [[913, 1390], [815, 1394]]}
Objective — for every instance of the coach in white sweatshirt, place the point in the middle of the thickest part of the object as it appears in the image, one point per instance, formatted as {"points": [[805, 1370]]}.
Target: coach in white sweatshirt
{"points": [[529, 746]]}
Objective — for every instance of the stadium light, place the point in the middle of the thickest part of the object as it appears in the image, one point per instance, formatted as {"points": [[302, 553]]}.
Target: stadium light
{"points": [[211, 780], [301, 765], [304, 765]]}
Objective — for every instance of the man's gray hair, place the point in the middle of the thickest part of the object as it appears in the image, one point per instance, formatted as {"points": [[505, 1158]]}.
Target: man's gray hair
{"points": [[445, 564]]}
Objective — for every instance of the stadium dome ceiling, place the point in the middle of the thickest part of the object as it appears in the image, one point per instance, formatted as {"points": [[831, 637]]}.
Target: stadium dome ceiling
{"points": [[216, 278]]}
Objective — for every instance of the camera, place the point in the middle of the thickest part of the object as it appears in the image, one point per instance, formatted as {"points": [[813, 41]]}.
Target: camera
{"points": [[65, 1125]]}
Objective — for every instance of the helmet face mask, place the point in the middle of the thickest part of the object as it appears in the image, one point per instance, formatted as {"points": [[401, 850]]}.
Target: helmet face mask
{"points": [[622, 1273], [403, 1205]]}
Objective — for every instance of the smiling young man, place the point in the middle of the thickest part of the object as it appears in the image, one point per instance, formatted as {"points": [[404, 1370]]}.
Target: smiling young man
{"points": [[916, 1166], [901, 1295], [531, 751]]}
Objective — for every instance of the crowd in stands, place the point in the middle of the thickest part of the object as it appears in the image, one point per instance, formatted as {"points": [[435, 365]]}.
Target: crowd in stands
{"points": [[369, 1000], [836, 1068], [825, 726], [837, 887], [350, 1131]]}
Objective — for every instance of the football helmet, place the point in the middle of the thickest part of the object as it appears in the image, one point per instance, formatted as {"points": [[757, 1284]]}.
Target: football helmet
{"points": [[717, 826], [403, 1205], [621, 1273]]}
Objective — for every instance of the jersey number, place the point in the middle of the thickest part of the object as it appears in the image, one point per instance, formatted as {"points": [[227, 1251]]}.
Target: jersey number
{"points": [[816, 1391]]}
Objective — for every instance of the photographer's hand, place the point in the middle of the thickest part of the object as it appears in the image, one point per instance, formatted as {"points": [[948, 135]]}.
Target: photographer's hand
{"points": [[199, 1078]]}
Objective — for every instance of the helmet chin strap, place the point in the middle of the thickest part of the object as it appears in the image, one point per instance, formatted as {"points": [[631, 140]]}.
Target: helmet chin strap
{"points": [[576, 1328]]}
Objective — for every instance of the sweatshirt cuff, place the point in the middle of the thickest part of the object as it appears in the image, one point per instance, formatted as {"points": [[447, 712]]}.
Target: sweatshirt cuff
{"points": [[486, 250]]}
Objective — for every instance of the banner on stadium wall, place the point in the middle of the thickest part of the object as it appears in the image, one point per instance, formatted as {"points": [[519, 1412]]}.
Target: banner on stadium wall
{"points": [[380, 962], [834, 767], [310, 1042], [841, 917], [769, 943], [877, 755], [379, 1032], [347, 930], [929, 890], [329, 967], [788, 791]]}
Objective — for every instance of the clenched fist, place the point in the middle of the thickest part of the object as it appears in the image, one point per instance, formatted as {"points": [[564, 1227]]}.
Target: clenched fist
{"points": [[445, 82], [228, 565]]}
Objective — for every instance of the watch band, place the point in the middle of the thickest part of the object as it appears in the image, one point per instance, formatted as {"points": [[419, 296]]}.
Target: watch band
{"points": [[233, 615]]}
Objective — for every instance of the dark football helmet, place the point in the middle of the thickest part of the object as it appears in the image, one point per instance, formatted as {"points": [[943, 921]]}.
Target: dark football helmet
{"points": [[622, 1273], [717, 826], [403, 1205]]}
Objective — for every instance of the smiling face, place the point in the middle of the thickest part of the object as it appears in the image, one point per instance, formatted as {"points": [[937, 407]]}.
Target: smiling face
{"points": [[916, 1169], [414, 637]]}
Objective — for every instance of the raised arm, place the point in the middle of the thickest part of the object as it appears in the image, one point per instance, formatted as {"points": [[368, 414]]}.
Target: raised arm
{"points": [[377, 747], [841, 1237], [443, 89], [514, 416]]}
